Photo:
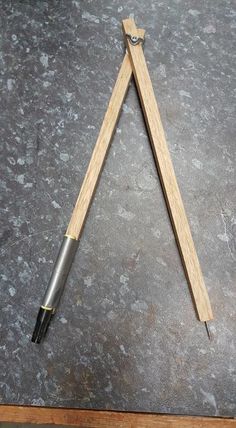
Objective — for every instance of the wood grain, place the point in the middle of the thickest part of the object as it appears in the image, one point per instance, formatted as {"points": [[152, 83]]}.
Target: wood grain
{"points": [[101, 148], [106, 419], [167, 175]]}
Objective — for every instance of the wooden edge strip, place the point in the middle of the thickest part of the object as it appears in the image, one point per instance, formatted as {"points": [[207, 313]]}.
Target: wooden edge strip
{"points": [[106, 419]]}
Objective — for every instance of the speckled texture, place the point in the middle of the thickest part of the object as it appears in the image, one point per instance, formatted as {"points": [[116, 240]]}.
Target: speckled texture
{"points": [[126, 335]]}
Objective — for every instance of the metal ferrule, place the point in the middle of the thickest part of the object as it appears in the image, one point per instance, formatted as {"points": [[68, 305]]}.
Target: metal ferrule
{"points": [[60, 273]]}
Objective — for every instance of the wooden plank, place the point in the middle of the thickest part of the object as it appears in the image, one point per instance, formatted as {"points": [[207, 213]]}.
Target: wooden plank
{"points": [[106, 419], [167, 175], [101, 148]]}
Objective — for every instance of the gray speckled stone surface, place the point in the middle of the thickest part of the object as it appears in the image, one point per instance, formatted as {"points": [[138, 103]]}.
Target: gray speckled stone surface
{"points": [[126, 335]]}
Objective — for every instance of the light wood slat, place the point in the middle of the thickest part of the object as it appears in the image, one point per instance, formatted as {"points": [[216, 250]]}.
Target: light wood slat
{"points": [[101, 148], [167, 175], [106, 419]]}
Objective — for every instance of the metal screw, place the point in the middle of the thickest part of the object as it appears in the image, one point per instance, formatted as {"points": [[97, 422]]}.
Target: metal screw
{"points": [[134, 39]]}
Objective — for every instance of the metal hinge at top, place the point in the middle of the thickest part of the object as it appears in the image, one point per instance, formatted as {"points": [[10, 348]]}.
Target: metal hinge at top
{"points": [[134, 40]]}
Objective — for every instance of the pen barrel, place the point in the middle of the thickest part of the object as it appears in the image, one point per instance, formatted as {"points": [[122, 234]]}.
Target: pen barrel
{"points": [[60, 272]]}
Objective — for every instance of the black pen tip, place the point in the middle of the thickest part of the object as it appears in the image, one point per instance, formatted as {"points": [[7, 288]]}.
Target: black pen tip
{"points": [[42, 323]]}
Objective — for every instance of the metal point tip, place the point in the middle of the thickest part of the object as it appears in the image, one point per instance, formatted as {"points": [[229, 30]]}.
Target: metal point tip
{"points": [[209, 334]]}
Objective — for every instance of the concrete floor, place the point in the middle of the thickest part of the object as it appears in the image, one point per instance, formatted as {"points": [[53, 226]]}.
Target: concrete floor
{"points": [[126, 335]]}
